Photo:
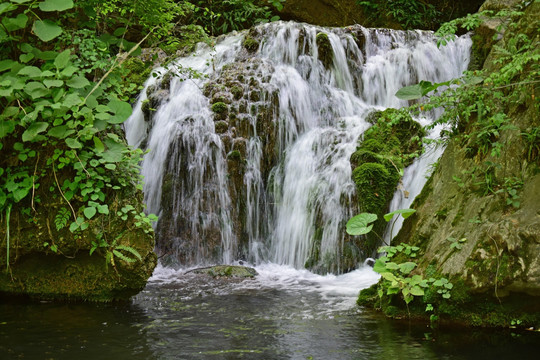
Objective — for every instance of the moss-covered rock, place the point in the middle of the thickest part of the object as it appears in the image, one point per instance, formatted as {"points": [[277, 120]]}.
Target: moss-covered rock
{"points": [[229, 271], [385, 150], [250, 44], [50, 262], [324, 49]]}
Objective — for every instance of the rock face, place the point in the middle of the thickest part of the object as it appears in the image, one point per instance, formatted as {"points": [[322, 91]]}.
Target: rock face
{"points": [[349, 12], [71, 272], [490, 204]]}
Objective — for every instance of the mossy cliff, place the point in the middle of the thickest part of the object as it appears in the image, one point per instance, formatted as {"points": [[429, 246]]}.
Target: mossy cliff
{"points": [[478, 217], [55, 264], [383, 152]]}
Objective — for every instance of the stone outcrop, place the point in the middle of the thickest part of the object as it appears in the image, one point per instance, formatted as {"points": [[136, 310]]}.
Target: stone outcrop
{"points": [[55, 264]]}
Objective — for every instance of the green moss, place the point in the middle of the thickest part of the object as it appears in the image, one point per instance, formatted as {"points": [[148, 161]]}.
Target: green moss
{"points": [[235, 155], [220, 107], [368, 297], [324, 48], [237, 92], [250, 44]]}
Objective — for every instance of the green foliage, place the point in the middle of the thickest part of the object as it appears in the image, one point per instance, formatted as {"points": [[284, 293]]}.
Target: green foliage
{"points": [[62, 112], [122, 252], [398, 277], [455, 243], [410, 14], [222, 16], [359, 224]]}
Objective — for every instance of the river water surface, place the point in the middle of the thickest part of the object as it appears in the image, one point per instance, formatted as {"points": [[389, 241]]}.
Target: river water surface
{"points": [[281, 314]]}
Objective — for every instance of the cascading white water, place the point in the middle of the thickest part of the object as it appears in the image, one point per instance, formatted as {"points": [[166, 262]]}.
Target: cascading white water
{"points": [[317, 109]]}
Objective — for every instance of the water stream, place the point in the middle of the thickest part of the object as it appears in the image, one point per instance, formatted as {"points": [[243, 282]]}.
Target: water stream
{"points": [[297, 121], [282, 314], [304, 97]]}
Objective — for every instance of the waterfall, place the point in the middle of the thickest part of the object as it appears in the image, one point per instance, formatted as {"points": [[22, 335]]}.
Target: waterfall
{"points": [[249, 159]]}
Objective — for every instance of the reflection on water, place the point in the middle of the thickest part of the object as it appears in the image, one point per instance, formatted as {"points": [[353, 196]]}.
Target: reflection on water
{"points": [[282, 314]]}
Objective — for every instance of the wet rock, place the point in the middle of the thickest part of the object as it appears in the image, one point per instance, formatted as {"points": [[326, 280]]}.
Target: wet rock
{"points": [[229, 271]]}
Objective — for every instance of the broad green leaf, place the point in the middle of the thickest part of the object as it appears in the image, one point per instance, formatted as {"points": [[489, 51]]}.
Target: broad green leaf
{"points": [[103, 209], [473, 80], [412, 92], [16, 23], [62, 59], [5, 7], [24, 58], [389, 276], [33, 130], [380, 266], [404, 212], [407, 267], [392, 266], [122, 110], [73, 143], [53, 83], [98, 145], [6, 65], [46, 30], [30, 71], [6, 127], [78, 82], [72, 100], [120, 31], [36, 89], [359, 224], [60, 132], [89, 212], [55, 5], [3, 198]]}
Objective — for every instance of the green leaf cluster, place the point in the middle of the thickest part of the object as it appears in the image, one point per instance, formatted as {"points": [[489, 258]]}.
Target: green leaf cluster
{"points": [[63, 98]]}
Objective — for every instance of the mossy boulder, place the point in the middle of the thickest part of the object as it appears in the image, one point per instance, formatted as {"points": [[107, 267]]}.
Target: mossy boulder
{"points": [[324, 49], [390, 145], [229, 271], [50, 262], [250, 44]]}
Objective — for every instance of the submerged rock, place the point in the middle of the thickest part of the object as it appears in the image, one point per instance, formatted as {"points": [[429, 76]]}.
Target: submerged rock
{"points": [[232, 271]]}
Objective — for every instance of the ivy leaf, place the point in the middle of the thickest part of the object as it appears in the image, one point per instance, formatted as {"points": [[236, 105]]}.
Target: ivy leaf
{"points": [[359, 224], [73, 143], [33, 130], [16, 23], [406, 267], [46, 30], [122, 110], [55, 5], [89, 212], [24, 58]]}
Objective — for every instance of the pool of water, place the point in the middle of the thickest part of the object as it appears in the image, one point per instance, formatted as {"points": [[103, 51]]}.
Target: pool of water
{"points": [[281, 314]]}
